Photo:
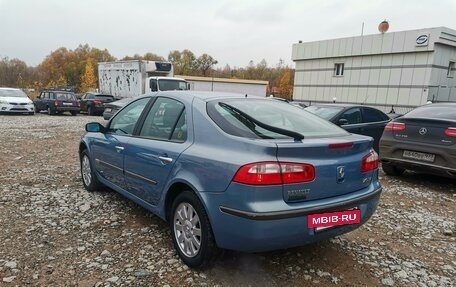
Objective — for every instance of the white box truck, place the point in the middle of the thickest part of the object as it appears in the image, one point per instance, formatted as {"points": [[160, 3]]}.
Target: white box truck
{"points": [[250, 87], [124, 79]]}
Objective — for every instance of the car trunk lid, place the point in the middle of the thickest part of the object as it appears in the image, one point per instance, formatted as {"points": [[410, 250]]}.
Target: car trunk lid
{"points": [[337, 166], [428, 131]]}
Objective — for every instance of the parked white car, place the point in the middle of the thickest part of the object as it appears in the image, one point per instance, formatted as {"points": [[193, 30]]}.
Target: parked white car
{"points": [[15, 101]]}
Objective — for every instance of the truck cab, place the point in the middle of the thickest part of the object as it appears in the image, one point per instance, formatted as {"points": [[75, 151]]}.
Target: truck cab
{"points": [[155, 84]]}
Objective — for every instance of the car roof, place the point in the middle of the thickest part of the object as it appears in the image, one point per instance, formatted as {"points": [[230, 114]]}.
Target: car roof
{"points": [[6, 88], [206, 96], [342, 105]]}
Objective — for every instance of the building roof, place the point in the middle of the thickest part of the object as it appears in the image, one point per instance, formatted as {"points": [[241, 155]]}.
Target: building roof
{"points": [[420, 40]]}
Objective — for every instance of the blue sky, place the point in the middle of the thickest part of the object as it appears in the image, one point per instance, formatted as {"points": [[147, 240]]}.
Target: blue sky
{"points": [[234, 32]]}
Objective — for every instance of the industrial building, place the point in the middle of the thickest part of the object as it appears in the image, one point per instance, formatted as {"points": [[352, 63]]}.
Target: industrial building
{"points": [[251, 87], [400, 69]]}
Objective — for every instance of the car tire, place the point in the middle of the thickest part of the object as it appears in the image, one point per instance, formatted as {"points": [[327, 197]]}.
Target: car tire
{"points": [[74, 113], [88, 176], [90, 111], [390, 169], [50, 111], [37, 110], [191, 231]]}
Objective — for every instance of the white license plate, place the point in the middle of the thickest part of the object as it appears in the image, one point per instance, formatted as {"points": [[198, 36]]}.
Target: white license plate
{"points": [[67, 104], [419, 155]]}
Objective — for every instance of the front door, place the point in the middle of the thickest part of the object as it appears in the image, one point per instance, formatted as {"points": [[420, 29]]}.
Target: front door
{"points": [[108, 150], [151, 156]]}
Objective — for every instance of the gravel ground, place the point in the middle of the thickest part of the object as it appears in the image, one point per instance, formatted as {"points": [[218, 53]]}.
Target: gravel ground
{"points": [[54, 233]]}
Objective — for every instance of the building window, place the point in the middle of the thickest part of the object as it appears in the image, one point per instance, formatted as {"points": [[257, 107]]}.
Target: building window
{"points": [[451, 68], [339, 69]]}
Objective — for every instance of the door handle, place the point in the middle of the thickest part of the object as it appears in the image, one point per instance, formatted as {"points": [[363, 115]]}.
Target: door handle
{"points": [[119, 148], [165, 159]]}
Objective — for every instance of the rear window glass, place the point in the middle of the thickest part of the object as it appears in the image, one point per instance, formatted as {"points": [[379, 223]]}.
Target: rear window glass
{"points": [[325, 112], [65, 96], [104, 97], [434, 112], [235, 116]]}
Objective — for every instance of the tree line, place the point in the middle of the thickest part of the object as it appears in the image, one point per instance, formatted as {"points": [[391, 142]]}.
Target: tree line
{"points": [[77, 69]]}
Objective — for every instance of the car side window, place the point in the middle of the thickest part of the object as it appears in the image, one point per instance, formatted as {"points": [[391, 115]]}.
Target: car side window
{"points": [[124, 122], [353, 116], [371, 115], [165, 121]]}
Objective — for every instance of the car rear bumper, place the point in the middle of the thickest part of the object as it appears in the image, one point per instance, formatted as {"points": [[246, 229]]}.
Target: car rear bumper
{"points": [[391, 152], [67, 109], [421, 167], [257, 231]]}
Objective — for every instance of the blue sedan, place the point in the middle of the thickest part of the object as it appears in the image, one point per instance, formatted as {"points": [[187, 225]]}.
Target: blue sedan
{"points": [[233, 172]]}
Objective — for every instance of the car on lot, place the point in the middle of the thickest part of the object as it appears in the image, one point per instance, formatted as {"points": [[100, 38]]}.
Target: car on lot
{"points": [[422, 140], [56, 102], [94, 103], [113, 107], [15, 101], [233, 172], [357, 119]]}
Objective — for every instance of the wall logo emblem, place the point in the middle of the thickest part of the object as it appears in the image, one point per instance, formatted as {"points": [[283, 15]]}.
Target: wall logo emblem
{"points": [[422, 40], [422, 131]]}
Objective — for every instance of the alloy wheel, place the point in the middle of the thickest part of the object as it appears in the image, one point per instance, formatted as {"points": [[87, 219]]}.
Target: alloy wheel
{"points": [[86, 170], [187, 229]]}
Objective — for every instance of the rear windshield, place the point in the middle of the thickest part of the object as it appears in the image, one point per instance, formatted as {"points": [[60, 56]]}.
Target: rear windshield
{"points": [[434, 112], [104, 97], [326, 112], [238, 117], [65, 96]]}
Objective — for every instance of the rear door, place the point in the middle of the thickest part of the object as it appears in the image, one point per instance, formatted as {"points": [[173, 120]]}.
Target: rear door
{"points": [[151, 156]]}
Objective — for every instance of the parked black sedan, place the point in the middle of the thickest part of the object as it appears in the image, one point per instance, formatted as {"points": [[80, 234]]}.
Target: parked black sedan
{"points": [[113, 107], [422, 140], [357, 119], [93, 103]]}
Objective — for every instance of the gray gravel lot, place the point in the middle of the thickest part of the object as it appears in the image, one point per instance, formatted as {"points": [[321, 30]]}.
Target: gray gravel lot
{"points": [[54, 233]]}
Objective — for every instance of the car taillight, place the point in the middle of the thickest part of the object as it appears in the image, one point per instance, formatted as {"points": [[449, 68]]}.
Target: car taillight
{"points": [[395, 127], [369, 162], [97, 103], [56, 103], [451, 132], [272, 173], [78, 103]]}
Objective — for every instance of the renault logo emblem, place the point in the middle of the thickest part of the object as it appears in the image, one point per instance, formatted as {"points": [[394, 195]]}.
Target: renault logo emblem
{"points": [[340, 173], [422, 131]]}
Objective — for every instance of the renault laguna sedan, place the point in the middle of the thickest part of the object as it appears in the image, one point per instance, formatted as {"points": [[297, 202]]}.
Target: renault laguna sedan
{"points": [[233, 172]]}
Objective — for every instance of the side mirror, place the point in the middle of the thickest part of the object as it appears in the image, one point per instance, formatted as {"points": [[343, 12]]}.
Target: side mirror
{"points": [[94, 128], [342, 122]]}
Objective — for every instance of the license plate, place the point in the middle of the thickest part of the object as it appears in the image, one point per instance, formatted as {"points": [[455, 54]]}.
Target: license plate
{"points": [[419, 155], [322, 221], [67, 104]]}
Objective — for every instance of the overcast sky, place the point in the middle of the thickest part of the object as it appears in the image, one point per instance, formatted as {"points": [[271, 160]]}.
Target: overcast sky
{"points": [[232, 31]]}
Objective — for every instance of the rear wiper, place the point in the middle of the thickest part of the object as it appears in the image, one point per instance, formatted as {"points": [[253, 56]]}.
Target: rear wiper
{"points": [[294, 135]]}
